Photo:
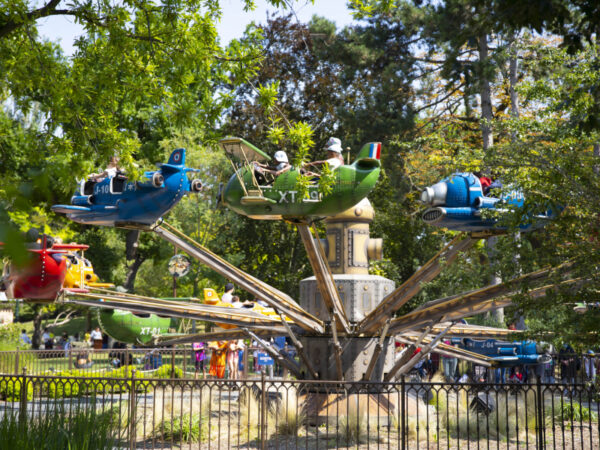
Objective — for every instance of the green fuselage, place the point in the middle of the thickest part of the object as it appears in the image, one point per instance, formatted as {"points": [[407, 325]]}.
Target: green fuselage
{"points": [[127, 327], [282, 201]]}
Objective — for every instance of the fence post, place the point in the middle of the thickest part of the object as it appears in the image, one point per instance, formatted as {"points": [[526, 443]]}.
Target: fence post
{"points": [[263, 412], [17, 361], [173, 362], [23, 398], [403, 412], [132, 409], [70, 359], [185, 357], [540, 414]]}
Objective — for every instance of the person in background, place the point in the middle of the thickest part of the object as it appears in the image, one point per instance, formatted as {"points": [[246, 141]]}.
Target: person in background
{"points": [[228, 295], [235, 369], [96, 338], [26, 339], [255, 356], [589, 364], [281, 165], [218, 359], [84, 361], [47, 340], [236, 303], [200, 359], [517, 376], [334, 155], [449, 365], [110, 171]]}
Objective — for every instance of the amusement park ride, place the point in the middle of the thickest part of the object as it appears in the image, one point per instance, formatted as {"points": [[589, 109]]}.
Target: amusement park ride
{"points": [[345, 325], [457, 203]]}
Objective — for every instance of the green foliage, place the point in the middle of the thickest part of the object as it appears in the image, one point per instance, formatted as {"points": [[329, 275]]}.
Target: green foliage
{"points": [[165, 372], [573, 411], [59, 429], [11, 389], [184, 428]]}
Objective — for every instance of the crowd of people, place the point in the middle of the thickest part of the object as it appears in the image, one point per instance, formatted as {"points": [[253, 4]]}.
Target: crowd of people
{"points": [[566, 366]]}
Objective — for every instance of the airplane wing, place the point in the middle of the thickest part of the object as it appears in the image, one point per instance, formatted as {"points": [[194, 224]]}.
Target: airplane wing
{"points": [[67, 209], [473, 331], [242, 150], [225, 335], [233, 316], [70, 246]]}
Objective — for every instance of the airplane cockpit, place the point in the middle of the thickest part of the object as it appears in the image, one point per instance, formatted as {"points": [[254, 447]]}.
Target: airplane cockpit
{"points": [[116, 184]]}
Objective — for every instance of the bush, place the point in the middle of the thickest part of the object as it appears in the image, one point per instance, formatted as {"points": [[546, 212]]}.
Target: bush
{"points": [[10, 389], [184, 428], [165, 372], [575, 412], [64, 388]]}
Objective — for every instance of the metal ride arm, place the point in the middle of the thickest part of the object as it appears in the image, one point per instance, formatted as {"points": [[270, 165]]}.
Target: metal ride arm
{"points": [[451, 352], [469, 304], [223, 335], [322, 272], [376, 352], [406, 356], [278, 354], [425, 350], [337, 350], [259, 289], [232, 316], [299, 348], [412, 286]]}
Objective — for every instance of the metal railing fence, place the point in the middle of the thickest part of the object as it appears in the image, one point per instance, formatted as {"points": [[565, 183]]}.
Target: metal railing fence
{"points": [[265, 413]]}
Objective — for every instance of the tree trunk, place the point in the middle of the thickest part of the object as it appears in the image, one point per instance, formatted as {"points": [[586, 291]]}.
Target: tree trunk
{"points": [[513, 65], [597, 155], [486, 94], [36, 339], [132, 272]]}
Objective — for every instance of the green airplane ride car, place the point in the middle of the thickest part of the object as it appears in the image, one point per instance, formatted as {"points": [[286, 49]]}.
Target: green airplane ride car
{"points": [[134, 328], [261, 198]]}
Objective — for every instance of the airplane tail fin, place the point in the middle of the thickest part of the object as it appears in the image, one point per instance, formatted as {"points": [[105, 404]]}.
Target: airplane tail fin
{"points": [[176, 161], [369, 155], [177, 158]]}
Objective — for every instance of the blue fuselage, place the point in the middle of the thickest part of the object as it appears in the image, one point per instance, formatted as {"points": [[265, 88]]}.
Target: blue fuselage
{"points": [[116, 202], [458, 203], [505, 353]]}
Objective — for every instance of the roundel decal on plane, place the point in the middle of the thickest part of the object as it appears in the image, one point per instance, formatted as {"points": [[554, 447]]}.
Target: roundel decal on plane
{"points": [[177, 157]]}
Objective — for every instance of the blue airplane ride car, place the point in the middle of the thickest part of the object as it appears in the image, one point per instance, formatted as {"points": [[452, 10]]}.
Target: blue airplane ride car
{"points": [[116, 202], [506, 354], [457, 203]]}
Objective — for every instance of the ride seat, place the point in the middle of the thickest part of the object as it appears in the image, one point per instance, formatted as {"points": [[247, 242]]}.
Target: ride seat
{"points": [[88, 187], [118, 183]]}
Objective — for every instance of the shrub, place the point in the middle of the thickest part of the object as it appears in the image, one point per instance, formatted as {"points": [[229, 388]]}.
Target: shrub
{"points": [[575, 412], [184, 428], [60, 388], [10, 389], [165, 372]]}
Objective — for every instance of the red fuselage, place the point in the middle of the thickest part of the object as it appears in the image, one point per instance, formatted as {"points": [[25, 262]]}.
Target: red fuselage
{"points": [[42, 278]]}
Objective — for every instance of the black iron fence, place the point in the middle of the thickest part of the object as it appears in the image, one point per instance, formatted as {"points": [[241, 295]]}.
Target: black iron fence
{"points": [[136, 412]]}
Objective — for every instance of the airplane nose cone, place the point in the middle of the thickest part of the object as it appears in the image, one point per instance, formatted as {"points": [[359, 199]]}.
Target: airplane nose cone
{"points": [[435, 195]]}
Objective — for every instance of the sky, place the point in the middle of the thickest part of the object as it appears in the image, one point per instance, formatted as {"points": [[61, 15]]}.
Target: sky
{"points": [[232, 25]]}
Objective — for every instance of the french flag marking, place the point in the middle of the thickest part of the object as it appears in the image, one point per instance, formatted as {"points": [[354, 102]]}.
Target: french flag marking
{"points": [[375, 150]]}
